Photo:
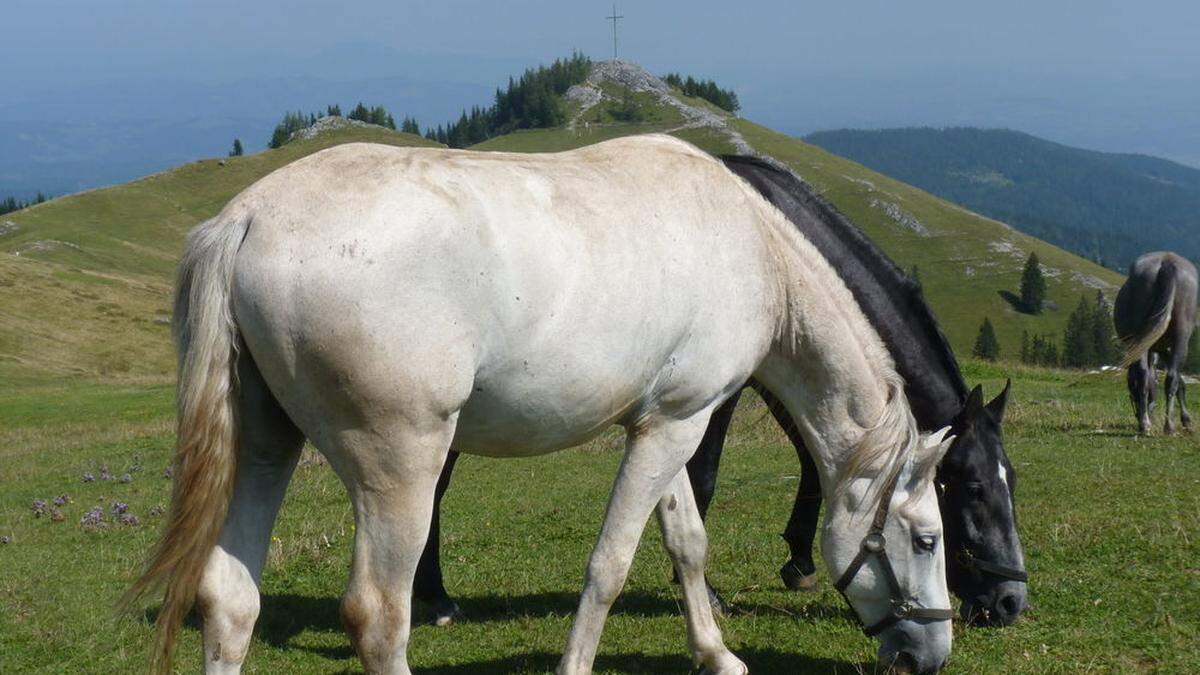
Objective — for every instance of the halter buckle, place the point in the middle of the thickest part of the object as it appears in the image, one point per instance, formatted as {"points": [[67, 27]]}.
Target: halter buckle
{"points": [[874, 542], [901, 610]]}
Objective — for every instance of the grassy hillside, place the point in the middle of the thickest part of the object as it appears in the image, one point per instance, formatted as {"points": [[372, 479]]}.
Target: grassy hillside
{"points": [[1094, 203], [85, 280]]}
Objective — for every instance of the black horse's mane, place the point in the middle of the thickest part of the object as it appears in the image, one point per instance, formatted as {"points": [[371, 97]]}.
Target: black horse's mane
{"points": [[892, 301]]}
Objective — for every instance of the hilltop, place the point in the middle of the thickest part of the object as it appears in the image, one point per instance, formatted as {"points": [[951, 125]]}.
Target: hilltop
{"points": [[95, 269], [1097, 204]]}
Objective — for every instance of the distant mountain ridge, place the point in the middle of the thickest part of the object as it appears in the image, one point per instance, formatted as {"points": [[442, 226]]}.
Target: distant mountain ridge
{"points": [[1103, 206]]}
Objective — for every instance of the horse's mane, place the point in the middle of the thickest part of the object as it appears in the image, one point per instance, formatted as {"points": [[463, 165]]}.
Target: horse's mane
{"points": [[886, 446], [891, 301]]}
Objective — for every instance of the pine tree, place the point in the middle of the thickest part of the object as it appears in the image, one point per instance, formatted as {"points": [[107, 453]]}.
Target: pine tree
{"points": [[986, 345], [237, 150], [1078, 350], [1033, 286], [1104, 346], [1051, 357]]}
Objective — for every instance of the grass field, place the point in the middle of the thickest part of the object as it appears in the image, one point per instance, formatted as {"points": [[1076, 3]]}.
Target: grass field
{"points": [[1111, 525]]}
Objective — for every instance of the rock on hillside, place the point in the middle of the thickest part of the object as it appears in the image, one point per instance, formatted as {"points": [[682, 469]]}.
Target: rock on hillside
{"points": [[327, 124]]}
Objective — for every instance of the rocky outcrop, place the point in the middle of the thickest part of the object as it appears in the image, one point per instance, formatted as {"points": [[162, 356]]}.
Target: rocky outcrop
{"points": [[639, 80], [326, 124], [901, 217]]}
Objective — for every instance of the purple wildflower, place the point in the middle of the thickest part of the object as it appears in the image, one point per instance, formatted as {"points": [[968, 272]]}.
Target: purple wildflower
{"points": [[118, 508], [62, 500], [93, 518], [5, 539], [169, 472], [130, 520], [89, 478], [56, 515], [127, 478], [39, 508], [104, 474], [156, 511]]}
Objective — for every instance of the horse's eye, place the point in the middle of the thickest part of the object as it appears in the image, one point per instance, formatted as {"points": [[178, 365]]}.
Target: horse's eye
{"points": [[925, 542]]}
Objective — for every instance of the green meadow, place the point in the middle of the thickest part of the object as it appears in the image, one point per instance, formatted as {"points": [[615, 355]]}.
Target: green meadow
{"points": [[1110, 522]]}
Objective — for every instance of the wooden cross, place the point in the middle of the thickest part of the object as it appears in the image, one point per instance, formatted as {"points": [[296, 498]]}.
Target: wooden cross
{"points": [[614, 19]]}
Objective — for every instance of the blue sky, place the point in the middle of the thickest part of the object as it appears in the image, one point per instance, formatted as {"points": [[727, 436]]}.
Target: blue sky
{"points": [[1119, 76]]}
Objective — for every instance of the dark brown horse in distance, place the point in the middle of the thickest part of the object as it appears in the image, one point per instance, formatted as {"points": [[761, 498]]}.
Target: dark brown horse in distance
{"points": [[1155, 314]]}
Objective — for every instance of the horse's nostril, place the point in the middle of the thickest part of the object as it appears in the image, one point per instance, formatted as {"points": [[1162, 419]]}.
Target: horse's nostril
{"points": [[1010, 605]]}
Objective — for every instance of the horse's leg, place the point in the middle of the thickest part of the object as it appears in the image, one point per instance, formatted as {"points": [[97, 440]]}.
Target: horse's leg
{"points": [[1138, 378], [702, 467], [687, 543], [1179, 354], [1151, 383], [799, 572], [1184, 415], [227, 598], [1174, 387], [656, 452], [702, 471], [428, 587], [391, 473]]}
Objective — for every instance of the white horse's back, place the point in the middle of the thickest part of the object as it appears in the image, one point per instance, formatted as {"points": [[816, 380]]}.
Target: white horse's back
{"points": [[532, 288]]}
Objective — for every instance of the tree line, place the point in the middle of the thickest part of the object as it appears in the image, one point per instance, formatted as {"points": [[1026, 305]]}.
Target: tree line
{"points": [[708, 90], [532, 101], [10, 204], [1088, 341], [296, 121]]}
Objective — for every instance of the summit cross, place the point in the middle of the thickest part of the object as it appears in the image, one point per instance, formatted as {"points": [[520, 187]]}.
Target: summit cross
{"points": [[614, 19]]}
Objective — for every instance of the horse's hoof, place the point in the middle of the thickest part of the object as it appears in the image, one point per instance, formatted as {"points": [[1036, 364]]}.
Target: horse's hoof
{"points": [[446, 613], [795, 578], [443, 612]]}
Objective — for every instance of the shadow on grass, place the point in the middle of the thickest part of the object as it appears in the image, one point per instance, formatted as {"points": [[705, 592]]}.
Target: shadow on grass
{"points": [[1013, 300], [759, 660], [285, 616]]}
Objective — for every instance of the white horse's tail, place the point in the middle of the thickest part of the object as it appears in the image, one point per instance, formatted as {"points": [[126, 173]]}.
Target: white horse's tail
{"points": [[1159, 316], [207, 427]]}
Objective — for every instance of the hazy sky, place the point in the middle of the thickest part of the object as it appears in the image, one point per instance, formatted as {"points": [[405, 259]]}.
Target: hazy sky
{"points": [[1110, 75], [69, 41]]}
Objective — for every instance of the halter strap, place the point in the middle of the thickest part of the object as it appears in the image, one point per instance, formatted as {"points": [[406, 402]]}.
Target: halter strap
{"points": [[979, 566], [875, 544]]}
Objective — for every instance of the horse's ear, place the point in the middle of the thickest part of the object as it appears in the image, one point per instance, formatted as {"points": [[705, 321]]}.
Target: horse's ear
{"points": [[935, 445], [998, 404], [973, 406]]}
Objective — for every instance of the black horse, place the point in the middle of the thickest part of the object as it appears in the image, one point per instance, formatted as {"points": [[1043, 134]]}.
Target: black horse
{"points": [[1155, 315], [985, 563]]}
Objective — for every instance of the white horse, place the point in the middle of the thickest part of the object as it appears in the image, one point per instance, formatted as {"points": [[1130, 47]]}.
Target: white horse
{"points": [[391, 304]]}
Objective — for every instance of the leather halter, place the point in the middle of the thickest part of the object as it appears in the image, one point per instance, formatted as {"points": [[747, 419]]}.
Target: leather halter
{"points": [[874, 544], [979, 566]]}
